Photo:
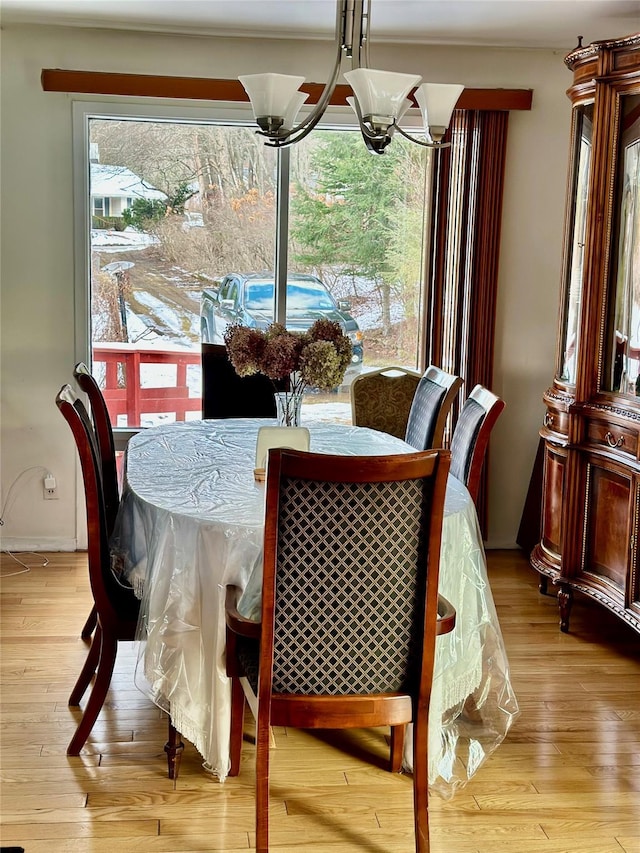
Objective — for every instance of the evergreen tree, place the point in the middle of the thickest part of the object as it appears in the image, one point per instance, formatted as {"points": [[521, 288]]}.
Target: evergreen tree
{"points": [[346, 212]]}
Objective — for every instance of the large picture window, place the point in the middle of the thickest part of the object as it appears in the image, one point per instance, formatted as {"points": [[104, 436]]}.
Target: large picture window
{"points": [[182, 242]]}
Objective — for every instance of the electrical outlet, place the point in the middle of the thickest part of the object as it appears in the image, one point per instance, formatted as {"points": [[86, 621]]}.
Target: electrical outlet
{"points": [[50, 488]]}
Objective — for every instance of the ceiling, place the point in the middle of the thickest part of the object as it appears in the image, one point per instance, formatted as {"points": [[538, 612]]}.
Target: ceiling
{"points": [[516, 23]]}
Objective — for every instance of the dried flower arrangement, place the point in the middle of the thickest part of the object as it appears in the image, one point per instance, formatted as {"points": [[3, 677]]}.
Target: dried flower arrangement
{"points": [[318, 357]]}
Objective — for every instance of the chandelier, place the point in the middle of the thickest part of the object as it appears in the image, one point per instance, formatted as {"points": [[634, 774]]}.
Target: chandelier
{"points": [[380, 98]]}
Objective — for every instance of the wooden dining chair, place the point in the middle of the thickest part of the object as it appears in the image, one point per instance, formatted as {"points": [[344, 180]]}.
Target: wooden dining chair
{"points": [[107, 456], [470, 439], [430, 408], [116, 606], [227, 395], [381, 399], [349, 607]]}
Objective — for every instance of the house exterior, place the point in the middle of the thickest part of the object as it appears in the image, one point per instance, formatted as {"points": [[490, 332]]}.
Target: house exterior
{"points": [[113, 190]]}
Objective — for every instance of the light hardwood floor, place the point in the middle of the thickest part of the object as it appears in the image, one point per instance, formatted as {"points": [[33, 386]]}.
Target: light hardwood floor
{"points": [[566, 780]]}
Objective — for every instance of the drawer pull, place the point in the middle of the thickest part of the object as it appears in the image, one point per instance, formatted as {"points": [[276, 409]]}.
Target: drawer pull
{"points": [[548, 420], [610, 439]]}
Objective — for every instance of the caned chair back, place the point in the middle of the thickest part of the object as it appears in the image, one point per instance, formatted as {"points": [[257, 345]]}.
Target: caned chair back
{"points": [[104, 441], [381, 399], [471, 435], [227, 395], [431, 404]]}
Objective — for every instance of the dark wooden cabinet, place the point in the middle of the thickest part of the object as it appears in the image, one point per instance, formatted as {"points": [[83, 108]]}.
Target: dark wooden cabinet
{"points": [[590, 513]]}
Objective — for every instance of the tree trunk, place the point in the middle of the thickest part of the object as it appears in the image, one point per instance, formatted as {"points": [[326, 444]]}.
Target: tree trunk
{"points": [[385, 298]]}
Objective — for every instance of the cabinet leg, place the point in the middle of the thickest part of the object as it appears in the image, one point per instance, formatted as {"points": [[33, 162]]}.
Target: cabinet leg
{"points": [[565, 600], [542, 584]]}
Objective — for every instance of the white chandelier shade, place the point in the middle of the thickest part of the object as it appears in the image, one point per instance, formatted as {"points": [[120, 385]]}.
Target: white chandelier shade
{"points": [[380, 99], [381, 93], [274, 96], [437, 102], [292, 110]]}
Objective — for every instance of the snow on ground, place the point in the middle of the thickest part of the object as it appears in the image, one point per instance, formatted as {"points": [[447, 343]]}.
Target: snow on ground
{"points": [[174, 321], [326, 413], [311, 413], [369, 314], [120, 241]]}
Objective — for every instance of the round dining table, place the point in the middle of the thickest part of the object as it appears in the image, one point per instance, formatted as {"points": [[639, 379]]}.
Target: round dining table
{"points": [[191, 521]]}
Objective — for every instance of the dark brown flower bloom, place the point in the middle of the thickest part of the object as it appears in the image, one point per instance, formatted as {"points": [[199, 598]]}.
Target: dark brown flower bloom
{"points": [[281, 355], [318, 357], [245, 347], [326, 330]]}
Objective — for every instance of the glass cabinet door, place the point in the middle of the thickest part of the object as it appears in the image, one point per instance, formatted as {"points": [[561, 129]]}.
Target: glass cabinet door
{"points": [[574, 252], [623, 345]]}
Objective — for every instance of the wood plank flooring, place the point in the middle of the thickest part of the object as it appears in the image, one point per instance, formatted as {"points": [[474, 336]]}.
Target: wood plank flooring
{"points": [[566, 780]]}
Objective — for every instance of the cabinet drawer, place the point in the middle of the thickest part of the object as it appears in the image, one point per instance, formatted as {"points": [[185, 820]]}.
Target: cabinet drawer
{"points": [[612, 437], [556, 421]]}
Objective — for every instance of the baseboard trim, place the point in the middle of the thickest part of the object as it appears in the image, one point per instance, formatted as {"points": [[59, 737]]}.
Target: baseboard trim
{"points": [[494, 545], [17, 545]]}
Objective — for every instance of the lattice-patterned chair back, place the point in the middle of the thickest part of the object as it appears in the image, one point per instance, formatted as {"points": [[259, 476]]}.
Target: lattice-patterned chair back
{"points": [[431, 405], [349, 606], [349, 585], [471, 435], [381, 399]]}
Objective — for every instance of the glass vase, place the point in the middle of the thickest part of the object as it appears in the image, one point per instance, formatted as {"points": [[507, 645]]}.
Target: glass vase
{"points": [[288, 407]]}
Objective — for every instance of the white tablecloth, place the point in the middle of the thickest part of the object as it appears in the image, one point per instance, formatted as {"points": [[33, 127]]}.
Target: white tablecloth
{"points": [[191, 522]]}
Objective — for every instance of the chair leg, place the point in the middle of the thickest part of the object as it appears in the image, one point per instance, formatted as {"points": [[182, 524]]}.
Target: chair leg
{"points": [[88, 670], [421, 785], [108, 650], [397, 748], [90, 624], [262, 784], [237, 725], [174, 747]]}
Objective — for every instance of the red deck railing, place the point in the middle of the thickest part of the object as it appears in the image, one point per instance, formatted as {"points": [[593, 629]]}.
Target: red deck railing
{"points": [[128, 392]]}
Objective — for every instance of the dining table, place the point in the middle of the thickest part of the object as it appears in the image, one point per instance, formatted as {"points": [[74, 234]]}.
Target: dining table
{"points": [[191, 521]]}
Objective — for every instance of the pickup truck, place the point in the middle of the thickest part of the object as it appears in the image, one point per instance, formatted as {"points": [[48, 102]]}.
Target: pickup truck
{"points": [[248, 299]]}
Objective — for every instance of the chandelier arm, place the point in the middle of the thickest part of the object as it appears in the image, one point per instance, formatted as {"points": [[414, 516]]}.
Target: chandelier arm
{"points": [[419, 141], [365, 26], [295, 134], [289, 139]]}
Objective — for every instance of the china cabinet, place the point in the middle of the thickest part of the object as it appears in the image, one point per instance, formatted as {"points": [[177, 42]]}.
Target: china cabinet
{"points": [[590, 514]]}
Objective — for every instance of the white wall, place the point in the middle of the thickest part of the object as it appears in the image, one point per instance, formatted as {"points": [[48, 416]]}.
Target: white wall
{"points": [[37, 345]]}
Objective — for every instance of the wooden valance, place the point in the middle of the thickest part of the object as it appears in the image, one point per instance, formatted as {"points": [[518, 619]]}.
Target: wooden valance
{"points": [[212, 89]]}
